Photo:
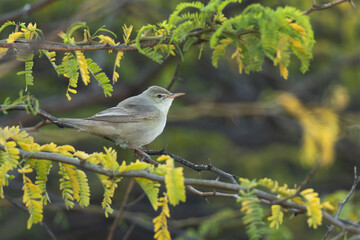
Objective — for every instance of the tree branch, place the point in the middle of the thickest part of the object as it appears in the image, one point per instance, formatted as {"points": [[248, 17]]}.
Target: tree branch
{"points": [[27, 9], [121, 210], [326, 6], [23, 208], [342, 204], [302, 185], [191, 165], [213, 184]]}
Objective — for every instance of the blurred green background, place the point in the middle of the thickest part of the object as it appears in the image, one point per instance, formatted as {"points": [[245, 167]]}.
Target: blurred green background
{"points": [[246, 145]]}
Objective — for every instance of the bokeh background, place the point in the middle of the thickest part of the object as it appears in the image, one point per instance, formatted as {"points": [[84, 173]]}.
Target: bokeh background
{"points": [[221, 120]]}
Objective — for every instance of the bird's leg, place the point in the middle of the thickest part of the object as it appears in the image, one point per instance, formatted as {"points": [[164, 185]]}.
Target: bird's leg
{"points": [[143, 155]]}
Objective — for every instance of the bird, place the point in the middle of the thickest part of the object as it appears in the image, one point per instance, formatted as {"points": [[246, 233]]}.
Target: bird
{"points": [[133, 123]]}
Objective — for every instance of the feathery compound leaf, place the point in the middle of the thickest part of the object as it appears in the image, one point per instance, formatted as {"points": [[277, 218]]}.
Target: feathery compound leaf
{"points": [[8, 158], [175, 18], [29, 63], [151, 189], [102, 79], [127, 33], [107, 40], [84, 193], [160, 222], [32, 199], [42, 168], [117, 64], [276, 217], [149, 52], [83, 67], [110, 186], [69, 68], [74, 185], [4, 177], [174, 181], [253, 219], [109, 160], [313, 207], [51, 57], [220, 50]]}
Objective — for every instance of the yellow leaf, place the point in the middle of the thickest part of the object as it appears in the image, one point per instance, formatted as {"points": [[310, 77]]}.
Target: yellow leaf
{"points": [[151, 188], [276, 218], [328, 206], [13, 36], [83, 67], [134, 166], [25, 170], [163, 158], [313, 207], [283, 71], [81, 154], [127, 33], [72, 90], [48, 147], [119, 55], [160, 222], [107, 40], [10, 144], [174, 181], [67, 148], [30, 31]]}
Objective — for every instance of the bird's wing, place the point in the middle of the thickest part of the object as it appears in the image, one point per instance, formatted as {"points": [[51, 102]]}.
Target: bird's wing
{"points": [[127, 113]]}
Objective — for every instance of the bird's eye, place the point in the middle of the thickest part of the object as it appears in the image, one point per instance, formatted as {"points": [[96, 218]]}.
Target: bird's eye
{"points": [[159, 96]]}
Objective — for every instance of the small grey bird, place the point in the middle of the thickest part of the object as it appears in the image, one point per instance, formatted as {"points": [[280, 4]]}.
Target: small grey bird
{"points": [[134, 122]]}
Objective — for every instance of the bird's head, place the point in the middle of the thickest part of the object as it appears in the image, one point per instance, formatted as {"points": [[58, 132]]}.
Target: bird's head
{"points": [[161, 97]]}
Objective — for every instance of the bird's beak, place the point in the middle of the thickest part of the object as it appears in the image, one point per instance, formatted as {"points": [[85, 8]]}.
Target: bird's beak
{"points": [[175, 95]]}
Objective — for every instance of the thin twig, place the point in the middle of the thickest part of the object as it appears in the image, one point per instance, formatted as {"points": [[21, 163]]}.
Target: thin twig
{"points": [[41, 113], [211, 194], [175, 76], [27, 9], [302, 185], [128, 232], [37, 126], [138, 199], [339, 236], [342, 204], [121, 210], [23, 208], [326, 6], [202, 167]]}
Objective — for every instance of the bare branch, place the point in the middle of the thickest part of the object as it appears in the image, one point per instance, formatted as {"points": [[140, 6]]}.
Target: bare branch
{"points": [[22, 207], [27, 9], [341, 205], [175, 76], [302, 185], [191, 165], [41, 113], [326, 6], [121, 210], [211, 194]]}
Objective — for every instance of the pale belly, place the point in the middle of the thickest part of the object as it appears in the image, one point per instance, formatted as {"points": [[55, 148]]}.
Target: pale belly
{"points": [[139, 134]]}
